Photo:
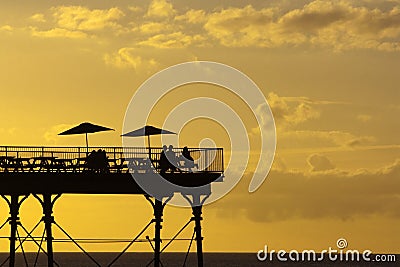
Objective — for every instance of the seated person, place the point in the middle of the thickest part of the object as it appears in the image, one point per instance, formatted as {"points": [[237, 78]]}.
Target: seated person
{"points": [[163, 163], [187, 158], [167, 160], [102, 161], [91, 160], [97, 161]]}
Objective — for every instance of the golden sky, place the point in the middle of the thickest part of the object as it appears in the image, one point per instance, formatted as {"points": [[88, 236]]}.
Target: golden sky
{"points": [[329, 70]]}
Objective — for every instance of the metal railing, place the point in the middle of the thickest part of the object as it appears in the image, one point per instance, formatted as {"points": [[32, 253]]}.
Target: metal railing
{"points": [[116, 159]]}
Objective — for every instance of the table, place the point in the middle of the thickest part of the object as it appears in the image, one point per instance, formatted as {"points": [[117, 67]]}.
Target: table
{"points": [[80, 163], [44, 162], [118, 167], [61, 164], [139, 164], [20, 164], [5, 162]]}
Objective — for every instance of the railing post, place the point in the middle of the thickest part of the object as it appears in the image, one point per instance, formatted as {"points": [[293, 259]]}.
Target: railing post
{"points": [[221, 150], [206, 159]]}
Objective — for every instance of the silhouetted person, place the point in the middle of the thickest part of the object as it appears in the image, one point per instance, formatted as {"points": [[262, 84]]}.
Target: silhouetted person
{"points": [[189, 161], [164, 163], [102, 161], [97, 161], [168, 160], [91, 161], [173, 161]]}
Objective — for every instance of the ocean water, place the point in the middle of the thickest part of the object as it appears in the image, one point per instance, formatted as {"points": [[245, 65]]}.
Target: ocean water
{"points": [[176, 259]]}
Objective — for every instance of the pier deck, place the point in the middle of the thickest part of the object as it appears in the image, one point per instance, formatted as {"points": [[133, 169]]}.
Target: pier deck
{"points": [[56, 170]]}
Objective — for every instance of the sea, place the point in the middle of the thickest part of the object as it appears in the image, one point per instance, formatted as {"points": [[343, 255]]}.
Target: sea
{"points": [[174, 259]]}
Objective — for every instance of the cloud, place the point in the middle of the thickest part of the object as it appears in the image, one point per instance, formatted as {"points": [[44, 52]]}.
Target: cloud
{"points": [[335, 140], [192, 16], [152, 27], [172, 40], [85, 19], [6, 28], [314, 16], [319, 163], [279, 163], [58, 33], [241, 27], [291, 112], [135, 9], [338, 25], [360, 141], [128, 57], [364, 118], [51, 135], [38, 17], [333, 193], [160, 9]]}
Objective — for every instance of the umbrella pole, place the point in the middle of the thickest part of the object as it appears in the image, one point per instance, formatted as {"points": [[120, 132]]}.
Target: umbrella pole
{"points": [[148, 143], [87, 144]]}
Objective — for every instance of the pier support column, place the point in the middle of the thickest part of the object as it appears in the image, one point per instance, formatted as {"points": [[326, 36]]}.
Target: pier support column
{"points": [[48, 219], [158, 208], [199, 239], [158, 213], [196, 201], [14, 220], [14, 204]]}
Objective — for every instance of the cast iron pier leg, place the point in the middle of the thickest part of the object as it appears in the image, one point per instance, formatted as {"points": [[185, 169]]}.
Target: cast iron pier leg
{"points": [[199, 238], [14, 220], [197, 203], [14, 204], [158, 213], [48, 219]]}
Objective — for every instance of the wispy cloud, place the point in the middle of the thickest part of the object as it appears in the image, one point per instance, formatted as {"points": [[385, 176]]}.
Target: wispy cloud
{"points": [[172, 40], [6, 28], [325, 192], [85, 19], [160, 9], [38, 17], [128, 58], [58, 33], [50, 135]]}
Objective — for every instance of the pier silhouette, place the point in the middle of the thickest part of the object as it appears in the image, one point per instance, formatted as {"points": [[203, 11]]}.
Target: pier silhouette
{"points": [[47, 173]]}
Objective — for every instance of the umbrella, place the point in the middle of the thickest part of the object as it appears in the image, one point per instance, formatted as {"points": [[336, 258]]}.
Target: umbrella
{"points": [[85, 128], [147, 131]]}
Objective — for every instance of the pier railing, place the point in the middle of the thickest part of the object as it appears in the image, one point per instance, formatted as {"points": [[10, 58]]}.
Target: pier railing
{"points": [[115, 159]]}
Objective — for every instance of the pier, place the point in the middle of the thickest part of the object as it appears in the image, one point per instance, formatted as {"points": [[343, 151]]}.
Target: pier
{"points": [[46, 173]]}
